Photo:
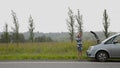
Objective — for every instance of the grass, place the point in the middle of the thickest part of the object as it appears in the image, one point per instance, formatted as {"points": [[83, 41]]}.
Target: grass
{"points": [[42, 51]]}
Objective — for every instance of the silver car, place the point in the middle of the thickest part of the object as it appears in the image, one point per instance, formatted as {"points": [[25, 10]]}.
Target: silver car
{"points": [[109, 48]]}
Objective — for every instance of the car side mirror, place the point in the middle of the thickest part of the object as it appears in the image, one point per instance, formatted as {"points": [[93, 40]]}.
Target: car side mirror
{"points": [[115, 42]]}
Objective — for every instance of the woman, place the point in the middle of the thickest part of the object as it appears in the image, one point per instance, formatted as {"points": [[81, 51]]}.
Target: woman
{"points": [[79, 45]]}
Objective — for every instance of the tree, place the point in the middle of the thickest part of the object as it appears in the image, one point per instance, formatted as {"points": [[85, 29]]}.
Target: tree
{"points": [[16, 28], [70, 23], [43, 39], [31, 29], [21, 38], [5, 36], [106, 24], [79, 22]]}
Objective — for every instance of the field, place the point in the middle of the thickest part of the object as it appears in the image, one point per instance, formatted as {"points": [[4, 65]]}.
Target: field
{"points": [[42, 51]]}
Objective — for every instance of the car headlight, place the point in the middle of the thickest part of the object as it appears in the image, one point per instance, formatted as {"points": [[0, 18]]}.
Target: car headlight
{"points": [[91, 47]]}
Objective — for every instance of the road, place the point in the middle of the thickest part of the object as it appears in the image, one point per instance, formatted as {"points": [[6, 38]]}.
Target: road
{"points": [[58, 64]]}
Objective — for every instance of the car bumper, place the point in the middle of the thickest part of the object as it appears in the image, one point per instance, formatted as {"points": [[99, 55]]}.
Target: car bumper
{"points": [[90, 54]]}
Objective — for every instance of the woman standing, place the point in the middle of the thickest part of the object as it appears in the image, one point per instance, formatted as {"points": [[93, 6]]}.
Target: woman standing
{"points": [[79, 45]]}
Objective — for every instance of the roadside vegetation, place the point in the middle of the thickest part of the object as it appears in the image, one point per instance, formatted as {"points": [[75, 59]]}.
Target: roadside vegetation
{"points": [[42, 51], [14, 45]]}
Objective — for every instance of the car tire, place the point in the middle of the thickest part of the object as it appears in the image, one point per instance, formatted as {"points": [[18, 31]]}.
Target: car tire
{"points": [[102, 56]]}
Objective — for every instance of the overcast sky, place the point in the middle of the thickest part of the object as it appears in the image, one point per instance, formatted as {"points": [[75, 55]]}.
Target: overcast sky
{"points": [[50, 15]]}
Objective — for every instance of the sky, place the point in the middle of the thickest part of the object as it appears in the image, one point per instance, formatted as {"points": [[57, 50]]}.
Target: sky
{"points": [[51, 15]]}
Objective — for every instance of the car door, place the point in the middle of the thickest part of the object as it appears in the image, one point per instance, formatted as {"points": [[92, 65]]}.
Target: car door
{"points": [[115, 47]]}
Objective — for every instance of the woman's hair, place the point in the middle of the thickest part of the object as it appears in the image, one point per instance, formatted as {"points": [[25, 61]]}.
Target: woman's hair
{"points": [[79, 35]]}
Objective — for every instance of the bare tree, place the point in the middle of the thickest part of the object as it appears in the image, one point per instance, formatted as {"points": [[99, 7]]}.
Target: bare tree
{"points": [[70, 23], [106, 24], [16, 28], [31, 29], [79, 22], [5, 36], [6, 33]]}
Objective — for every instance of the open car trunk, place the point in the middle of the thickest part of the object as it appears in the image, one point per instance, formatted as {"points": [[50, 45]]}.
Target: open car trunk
{"points": [[97, 38]]}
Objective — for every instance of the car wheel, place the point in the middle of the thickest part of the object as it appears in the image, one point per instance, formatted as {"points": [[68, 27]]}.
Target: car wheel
{"points": [[102, 56]]}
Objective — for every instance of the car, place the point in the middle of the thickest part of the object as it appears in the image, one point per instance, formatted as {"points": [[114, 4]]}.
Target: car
{"points": [[109, 48]]}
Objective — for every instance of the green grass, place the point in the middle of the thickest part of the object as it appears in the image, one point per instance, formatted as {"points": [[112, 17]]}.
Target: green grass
{"points": [[42, 51]]}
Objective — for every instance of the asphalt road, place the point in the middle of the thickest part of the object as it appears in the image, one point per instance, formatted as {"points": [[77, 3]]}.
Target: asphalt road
{"points": [[58, 64]]}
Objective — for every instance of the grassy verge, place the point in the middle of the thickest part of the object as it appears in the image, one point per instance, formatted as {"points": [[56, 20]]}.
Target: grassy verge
{"points": [[42, 51]]}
